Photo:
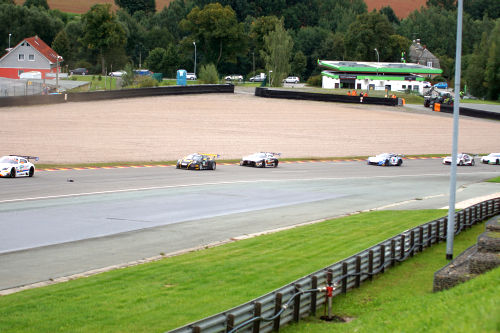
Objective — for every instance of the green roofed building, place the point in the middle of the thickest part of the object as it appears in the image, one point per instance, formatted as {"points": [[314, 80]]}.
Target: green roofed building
{"points": [[376, 75]]}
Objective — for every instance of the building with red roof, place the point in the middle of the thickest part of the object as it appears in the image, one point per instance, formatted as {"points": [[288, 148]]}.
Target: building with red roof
{"points": [[31, 54]]}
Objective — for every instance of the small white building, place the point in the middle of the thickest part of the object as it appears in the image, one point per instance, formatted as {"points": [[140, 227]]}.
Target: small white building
{"points": [[375, 75]]}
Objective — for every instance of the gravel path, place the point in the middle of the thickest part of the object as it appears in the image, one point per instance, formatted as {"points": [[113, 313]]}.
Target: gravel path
{"points": [[166, 128]]}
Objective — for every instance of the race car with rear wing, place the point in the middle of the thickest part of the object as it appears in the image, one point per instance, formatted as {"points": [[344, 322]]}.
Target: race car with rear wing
{"points": [[386, 159], [17, 165], [261, 160], [198, 161], [462, 159]]}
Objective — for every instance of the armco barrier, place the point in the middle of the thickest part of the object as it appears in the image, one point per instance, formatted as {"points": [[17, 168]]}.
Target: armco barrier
{"points": [[115, 94], [287, 94], [295, 300], [471, 112]]}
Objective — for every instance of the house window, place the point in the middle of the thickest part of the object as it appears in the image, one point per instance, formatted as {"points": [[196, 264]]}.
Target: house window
{"points": [[21, 57], [358, 86], [415, 88], [429, 63], [404, 86], [31, 57]]}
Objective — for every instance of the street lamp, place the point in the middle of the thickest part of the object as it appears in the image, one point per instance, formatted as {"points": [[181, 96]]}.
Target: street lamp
{"points": [[194, 43], [9, 41], [378, 58], [253, 57], [270, 77], [57, 73]]}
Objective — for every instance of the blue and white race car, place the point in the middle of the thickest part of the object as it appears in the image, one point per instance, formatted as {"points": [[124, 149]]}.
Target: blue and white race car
{"points": [[13, 166], [493, 158], [261, 160], [386, 159]]}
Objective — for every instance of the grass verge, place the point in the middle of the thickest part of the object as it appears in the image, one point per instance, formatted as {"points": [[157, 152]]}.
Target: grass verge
{"points": [[172, 292], [494, 180]]}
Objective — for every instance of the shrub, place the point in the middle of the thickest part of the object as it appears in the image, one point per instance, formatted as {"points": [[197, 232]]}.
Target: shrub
{"points": [[208, 74], [315, 81], [146, 82]]}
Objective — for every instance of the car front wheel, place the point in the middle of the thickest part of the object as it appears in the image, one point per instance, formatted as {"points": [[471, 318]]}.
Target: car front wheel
{"points": [[13, 173], [32, 172]]}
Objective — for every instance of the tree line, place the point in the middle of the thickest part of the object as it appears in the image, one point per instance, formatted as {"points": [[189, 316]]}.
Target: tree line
{"points": [[247, 37]]}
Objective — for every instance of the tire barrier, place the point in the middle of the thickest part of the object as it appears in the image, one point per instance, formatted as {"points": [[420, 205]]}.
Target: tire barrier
{"points": [[271, 93], [300, 298], [470, 112], [116, 94]]}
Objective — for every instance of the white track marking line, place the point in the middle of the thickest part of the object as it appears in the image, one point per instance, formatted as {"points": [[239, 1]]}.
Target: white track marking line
{"points": [[223, 183]]}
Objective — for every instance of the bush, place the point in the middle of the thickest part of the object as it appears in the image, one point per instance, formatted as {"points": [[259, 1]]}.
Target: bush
{"points": [[146, 82], [315, 81], [208, 74]]}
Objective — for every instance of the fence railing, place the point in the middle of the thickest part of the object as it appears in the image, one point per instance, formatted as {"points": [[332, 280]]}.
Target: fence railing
{"points": [[301, 298]]}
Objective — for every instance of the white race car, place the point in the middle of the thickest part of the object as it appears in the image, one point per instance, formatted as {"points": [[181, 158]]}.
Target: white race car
{"points": [[261, 160], [386, 159], [493, 158], [462, 159], [13, 166]]}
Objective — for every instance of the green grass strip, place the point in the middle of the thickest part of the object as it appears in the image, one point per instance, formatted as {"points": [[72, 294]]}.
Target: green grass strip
{"points": [[494, 180], [172, 292]]}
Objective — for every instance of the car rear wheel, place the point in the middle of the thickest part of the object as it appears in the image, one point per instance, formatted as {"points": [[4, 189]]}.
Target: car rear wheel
{"points": [[263, 165], [400, 162], [32, 172], [386, 163], [276, 163], [497, 162], [13, 173], [461, 163], [213, 166]]}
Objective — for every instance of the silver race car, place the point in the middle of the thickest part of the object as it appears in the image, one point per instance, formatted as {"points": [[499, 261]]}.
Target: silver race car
{"points": [[13, 166], [493, 158], [386, 159], [261, 160], [462, 159]]}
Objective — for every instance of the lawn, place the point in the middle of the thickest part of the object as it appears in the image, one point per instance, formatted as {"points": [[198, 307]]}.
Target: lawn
{"points": [[494, 180], [174, 291], [96, 82]]}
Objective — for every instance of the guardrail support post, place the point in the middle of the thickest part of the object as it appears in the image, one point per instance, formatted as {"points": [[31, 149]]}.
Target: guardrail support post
{"points": [[314, 285], [296, 304], [196, 329], [370, 264], [402, 247], [393, 252], [358, 271], [412, 242], [277, 308], [344, 279], [257, 311], [421, 239], [382, 258], [229, 322], [429, 235]]}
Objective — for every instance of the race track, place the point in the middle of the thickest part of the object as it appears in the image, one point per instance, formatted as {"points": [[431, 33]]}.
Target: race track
{"points": [[66, 222]]}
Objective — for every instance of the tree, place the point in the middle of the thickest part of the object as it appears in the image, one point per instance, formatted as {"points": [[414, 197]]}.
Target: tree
{"points": [[389, 12], [8, 2], [492, 70], [132, 6], [446, 4], [277, 53], [155, 59], [37, 3], [299, 64], [216, 30], [479, 8], [61, 45], [102, 32], [208, 74]]}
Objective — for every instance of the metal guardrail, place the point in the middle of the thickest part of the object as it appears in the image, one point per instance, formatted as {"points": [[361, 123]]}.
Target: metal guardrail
{"points": [[300, 298]]}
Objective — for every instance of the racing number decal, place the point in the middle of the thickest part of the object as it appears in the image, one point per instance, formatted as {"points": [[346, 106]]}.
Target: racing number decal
{"points": [[394, 160]]}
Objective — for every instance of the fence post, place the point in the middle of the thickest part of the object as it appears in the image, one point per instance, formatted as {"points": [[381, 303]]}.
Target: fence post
{"points": [[445, 231], [402, 247], [257, 311], [344, 279], [438, 231], [458, 219], [429, 235], [296, 304], [412, 242], [370, 264], [196, 329], [393, 252], [314, 285], [229, 322], [277, 308], [382, 258], [421, 239], [358, 271]]}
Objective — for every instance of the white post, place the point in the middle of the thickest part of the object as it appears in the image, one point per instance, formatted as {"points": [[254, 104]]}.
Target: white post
{"points": [[194, 43]]}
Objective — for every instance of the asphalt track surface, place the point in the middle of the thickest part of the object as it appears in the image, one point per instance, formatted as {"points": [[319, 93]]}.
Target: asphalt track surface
{"points": [[66, 222]]}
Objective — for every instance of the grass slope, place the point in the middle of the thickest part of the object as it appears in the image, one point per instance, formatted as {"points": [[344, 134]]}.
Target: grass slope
{"points": [[172, 292]]}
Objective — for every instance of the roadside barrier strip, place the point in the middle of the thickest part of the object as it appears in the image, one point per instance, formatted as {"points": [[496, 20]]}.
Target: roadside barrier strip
{"points": [[300, 298], [173, 164]]}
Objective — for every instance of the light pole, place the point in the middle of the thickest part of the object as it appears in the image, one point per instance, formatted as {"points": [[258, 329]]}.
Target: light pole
{"points": [[270, 77], [378, 58], [9, 41], [253, 57], [57, 73], [194, 43]]}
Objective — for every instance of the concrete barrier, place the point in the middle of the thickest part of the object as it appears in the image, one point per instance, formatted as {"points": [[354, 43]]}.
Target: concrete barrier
{"points": [[464, 111]]}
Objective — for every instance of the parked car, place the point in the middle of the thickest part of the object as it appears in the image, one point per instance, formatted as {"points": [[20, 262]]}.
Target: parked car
{"points": [[441, 85], [79, 71], [234, 77], [493, 158], [292, 79], [198, 161], [386, 159], [143, 72], [191, 76], [261, 160], [13, 166], [117, 73], [257, 78], [462, 159]]}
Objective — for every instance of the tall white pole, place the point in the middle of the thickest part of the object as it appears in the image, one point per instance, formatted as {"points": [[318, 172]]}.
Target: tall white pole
{"points": [[9, 41], [456, 109], [194, 43]]}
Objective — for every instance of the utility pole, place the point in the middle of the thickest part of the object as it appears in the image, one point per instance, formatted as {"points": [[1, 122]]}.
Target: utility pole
{"points": [[253, 57]]}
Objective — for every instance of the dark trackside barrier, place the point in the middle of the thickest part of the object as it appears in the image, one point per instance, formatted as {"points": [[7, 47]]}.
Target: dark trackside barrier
{"points": [[471, 112], [115, 94], [271, 93]]}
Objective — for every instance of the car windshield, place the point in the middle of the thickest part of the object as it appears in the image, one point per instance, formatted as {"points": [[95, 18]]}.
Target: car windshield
{"points": [[259, 155], [8, 159], [194, 157], [384, 155]]}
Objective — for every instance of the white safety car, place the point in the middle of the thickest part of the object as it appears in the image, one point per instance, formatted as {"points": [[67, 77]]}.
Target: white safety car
{"points": [[386, 159], [261, 160], [493, 158], [462, 159], [13, 166]]}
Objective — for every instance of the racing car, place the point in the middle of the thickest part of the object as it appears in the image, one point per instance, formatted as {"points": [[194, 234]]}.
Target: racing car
{"points": [[198, 161], [386, 159], [13, 166], [493, 158], [462, 159], [261, 160]]}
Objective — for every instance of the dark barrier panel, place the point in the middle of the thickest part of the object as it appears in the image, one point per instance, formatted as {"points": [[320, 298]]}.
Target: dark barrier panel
{"points": [[115, 94], [264, 92], [472, 112]]}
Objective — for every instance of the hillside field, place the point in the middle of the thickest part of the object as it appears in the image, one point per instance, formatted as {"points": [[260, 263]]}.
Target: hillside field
{"points": [[401, 7]]}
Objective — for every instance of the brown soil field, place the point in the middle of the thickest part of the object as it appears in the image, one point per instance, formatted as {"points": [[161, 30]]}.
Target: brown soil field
{"points": [[401, 7], [233, 125]]}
